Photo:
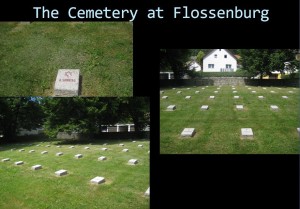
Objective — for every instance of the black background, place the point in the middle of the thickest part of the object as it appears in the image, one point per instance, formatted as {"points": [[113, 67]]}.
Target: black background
{"points": [[199, 181]]}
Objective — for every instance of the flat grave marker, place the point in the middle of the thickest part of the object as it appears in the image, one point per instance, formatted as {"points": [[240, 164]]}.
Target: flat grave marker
{"points": [[21, 150], [246, 133], [140, 145], [188, 132], [71, 147], [239, 107], [236, 97], [165, 97], [125, 150], [211, 97], [67, 83], [161, 92], [234, 92], [274, 107], [5, 160], [36, 167], [31, 151], [102, 158], [132, 162], [204, 107], [86, 148], [44, 152], [253, 92], [285, 97], [260, 97], [171, 107], [188, 97], [78, 156], [98, 180], [19, 163], [104, 149], [197, 92], [147, 193], [179, 92], [59, 154], [61, 172]]}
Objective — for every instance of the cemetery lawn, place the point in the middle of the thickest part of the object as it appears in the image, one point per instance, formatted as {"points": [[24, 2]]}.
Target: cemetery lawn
{"points": [[31, 54], [218, 130], [21, 187]]}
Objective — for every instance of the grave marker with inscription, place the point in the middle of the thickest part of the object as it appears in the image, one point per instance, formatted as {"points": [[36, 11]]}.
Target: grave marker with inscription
{"points": [[67, 83]]}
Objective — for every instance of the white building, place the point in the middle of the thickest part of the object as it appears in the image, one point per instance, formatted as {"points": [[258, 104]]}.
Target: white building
{"points": [[219, 60]]}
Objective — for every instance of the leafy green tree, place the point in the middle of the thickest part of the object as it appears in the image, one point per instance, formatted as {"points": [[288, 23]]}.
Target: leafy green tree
{"points": [[199, 57]]}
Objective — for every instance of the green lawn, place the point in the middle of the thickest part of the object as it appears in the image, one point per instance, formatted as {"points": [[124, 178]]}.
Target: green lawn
{"points": [[21, 187], [218, 130], [31, 54]]}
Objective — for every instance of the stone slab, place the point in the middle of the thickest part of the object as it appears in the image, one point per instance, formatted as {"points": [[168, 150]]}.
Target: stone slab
{"points": [[234, 92], [211, 97], [19, 163], [147, 193], [161, 92], [67, 82], [44, 152], [188, 132], [298, 129], [86, 148], [291, 92], [253, 92], [188, 97], [272, 91], [102, 158], [61, 172], [260, 97], [36, 167], [188, 88], [197, 92], [140, 145], [59, 154], [125, 150], [274, 107], [132, 162], [98, 180], [133, 141], [31, 151], [104, 149], [5, 160], [171, 107], [285, 97], [246, 133], [216, 92], [179, 92], [236, 97], [71, 147], [21, 150], [121, 145], [264, 88], [78, 156], [165, 97], [239, 107], [58, 146], [204, 107], [47, 146]]}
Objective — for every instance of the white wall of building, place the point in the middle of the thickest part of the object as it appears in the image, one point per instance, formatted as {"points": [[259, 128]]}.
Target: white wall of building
{"points": [[219, 60]]}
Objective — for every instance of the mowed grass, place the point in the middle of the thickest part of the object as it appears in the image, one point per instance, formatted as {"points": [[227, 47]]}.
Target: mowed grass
{"points": [[21, 187], [218, 130], [31, 54]]}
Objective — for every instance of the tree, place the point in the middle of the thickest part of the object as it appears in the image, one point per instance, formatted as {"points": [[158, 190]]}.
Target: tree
{"points": [[174, 60], [199, 57], [19, 112], [263, 61]]}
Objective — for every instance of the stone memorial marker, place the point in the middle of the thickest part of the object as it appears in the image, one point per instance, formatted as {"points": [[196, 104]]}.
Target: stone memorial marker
{"points": [[218, 88], [188, 132], [196, 92], [165, 97], [161, 92], [19, 163], [203, 88], [249, 88], [121, 145], [204, 107], [38, 145], [234, 92], [206, 86], [47, 146], [102, 158], [97, 180], [216, 92], [36, 167], [78, 156], [86, 148], [179, 92], [239, 107], [272, 91], [125, 150], [31, 151], [71, 147], [188, 88], [247, 133], [211, 97], [264, 88], [59, 154], [236, 97], [188, 97], [274, 107], [61, 172], [132, 162], [298, 129], [147, 193], [140, 145], [133, 141], [105, 144], [173, 88], [285, 97], [291, 92], [21, 150], [253, 92], [58, 146], [5, 160], [13, 149], [260, 97], [104, 149], [171, 107], [67, 83], [44, 152]]}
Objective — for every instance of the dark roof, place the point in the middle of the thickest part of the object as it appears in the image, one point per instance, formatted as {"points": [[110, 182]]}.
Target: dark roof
{"points": [[211, 51]]}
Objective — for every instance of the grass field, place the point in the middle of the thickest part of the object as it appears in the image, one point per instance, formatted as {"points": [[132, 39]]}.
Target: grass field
{"points": [[218, 129], [31, 54], [21, 187]]}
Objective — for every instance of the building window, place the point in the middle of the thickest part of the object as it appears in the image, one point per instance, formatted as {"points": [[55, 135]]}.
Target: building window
{"points": [[225, 56], [216, 55], [211, 66], [228, 66]]}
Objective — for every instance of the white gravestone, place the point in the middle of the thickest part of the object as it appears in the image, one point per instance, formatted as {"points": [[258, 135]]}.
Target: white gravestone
{"points": [[239, 107], [31, 151], [216, 92], [274, 107], [140, 145], [67, 82], [204, 107], [61, 172], [179, 92], [233, 88], [234, 92], [298, 129], [132, 162], [104, 149], [44, 152], [188, 88], [165, 97], [260, 97], [121, 145], [19, 163], [203, 88], [264, 88], [247, 133], [272, 91], [211, 97], [285, 97], [5, 160], [71, 147], [59, 154], [133, 141], [236, 97], [78, 156], [36, 167], [196, 92], [161, 92], [253, 92], [188, 97], [147, 193], [249, 88], [58, 146], [98, 180], [102, 158], [47, 146], [291, 92], [21, 150], [86, 148], [188, 132], [125, 150], [171, 107]]}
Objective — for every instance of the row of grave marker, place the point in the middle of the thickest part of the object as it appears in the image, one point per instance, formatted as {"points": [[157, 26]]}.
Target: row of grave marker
{"points": [[235, 97], [206, 107]]}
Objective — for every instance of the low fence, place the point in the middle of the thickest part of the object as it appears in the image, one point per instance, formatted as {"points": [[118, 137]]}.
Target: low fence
{"points": [[235, 81]]}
